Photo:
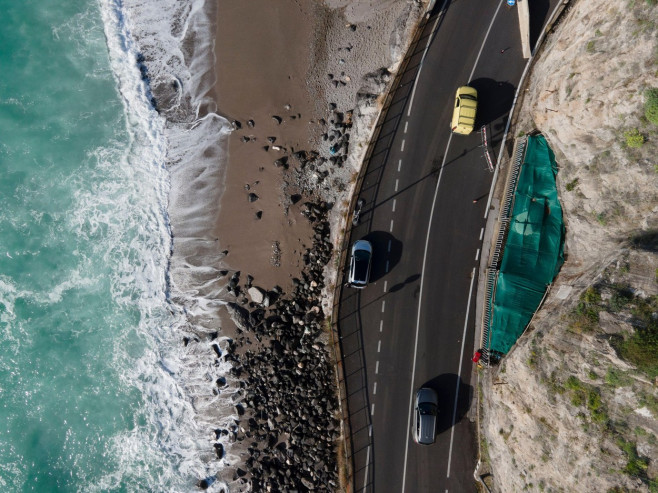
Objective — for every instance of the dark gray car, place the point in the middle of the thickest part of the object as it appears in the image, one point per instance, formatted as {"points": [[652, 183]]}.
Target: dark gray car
{"points": [[427, 408]]}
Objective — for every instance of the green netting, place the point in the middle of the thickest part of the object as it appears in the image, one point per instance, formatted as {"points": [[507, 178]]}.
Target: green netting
{"points": [[533, 251]]}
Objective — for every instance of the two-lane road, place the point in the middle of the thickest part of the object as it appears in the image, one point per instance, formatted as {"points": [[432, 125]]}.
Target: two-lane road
{"points": [[426, 191]]}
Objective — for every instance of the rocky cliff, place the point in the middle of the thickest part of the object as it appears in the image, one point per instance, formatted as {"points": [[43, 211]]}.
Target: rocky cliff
{"points": [[574, 406]]}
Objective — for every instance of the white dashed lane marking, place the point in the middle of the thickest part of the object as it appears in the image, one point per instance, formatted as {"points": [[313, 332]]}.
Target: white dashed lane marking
{"points": [[402, 146], [399, 165], [481, 233], [397, 183], [374, 389], [376, 367], [381, 325], [372, 410], [394, 201], [477, 255], [391, 228], [379, 345], [406, 124], [383, 305]]}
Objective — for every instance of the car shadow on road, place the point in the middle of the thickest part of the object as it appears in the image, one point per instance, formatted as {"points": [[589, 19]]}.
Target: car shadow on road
{"points": [[494, 99], [386, 253], [448, 388]]}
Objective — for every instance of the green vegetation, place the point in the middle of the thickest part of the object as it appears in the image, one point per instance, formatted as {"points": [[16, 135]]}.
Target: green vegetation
{"points": [[621, 298], [586, 314], [641, 347], [617, 378], [650, 402], [572, 184], [634, 139], [590, 46], [636, 465], [651, 105], [583, 394]]}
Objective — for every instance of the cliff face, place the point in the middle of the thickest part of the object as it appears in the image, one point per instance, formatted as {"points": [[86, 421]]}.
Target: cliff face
{"points": [[574, 406]]}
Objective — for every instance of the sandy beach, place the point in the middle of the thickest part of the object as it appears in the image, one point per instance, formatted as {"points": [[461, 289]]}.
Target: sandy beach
{"points": [[264, 53], [301, 82]]}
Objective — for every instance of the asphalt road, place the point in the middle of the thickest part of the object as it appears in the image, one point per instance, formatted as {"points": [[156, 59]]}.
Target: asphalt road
{"points": [[426, 192]]}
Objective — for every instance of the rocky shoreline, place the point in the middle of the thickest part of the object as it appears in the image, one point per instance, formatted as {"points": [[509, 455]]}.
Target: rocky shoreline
{"points": [[288, 413]]}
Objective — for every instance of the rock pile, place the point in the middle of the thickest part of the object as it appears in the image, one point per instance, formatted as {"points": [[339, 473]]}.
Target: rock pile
{"points": [[288, 415]]}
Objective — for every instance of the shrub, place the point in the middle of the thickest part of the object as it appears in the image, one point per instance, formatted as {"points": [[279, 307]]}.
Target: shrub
{"points": [[636, 465], [617, 378], [590, 46], [634, 139], [651, 105], [572, 184]]}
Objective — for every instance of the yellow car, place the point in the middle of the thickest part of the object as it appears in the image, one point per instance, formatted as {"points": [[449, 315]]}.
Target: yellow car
{"points": [[463, 116]]}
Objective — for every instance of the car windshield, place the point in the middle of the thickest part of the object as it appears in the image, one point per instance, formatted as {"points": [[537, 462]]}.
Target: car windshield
{"points": [[427, 408], [361, 260], [469, 96]]}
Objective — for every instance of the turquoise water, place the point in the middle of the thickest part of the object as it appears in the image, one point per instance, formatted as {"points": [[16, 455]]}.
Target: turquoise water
{"points": [[85, 402]]}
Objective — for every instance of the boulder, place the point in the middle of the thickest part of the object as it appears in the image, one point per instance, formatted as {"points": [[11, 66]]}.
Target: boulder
{"points": [[256, 294]]}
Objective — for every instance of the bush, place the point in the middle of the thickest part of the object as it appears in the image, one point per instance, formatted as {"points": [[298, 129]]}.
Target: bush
{"points": [[636, 465], [572, 184], [651, 105], [617, 378], [634, 139]]}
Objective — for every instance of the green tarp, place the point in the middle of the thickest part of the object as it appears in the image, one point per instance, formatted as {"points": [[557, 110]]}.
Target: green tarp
{"points": [[533, 252]]}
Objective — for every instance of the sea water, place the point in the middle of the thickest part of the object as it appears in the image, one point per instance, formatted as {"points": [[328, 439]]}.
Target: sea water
{"points": [[90, 394]]}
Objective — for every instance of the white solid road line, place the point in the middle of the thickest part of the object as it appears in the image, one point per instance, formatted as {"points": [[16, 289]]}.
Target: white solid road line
{"points": [[365, 478], [459, 371], [427, 47], [422, 274], [420, 300]]}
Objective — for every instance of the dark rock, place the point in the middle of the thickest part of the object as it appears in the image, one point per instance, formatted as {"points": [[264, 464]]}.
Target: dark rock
{"points": [[253, 197], [277, 119], [237, 124], [259, 214], [250, 123], [271, 140]]}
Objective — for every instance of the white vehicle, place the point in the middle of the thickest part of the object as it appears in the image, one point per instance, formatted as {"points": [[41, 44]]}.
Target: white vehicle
{"points": [[360, 261]]}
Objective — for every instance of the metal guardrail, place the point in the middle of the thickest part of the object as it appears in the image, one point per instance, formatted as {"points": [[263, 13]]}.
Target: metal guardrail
{"points": [[518, 154]]}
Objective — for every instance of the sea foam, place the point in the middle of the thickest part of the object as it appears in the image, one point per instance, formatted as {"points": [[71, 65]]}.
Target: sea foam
{"points": [[162, 56]]}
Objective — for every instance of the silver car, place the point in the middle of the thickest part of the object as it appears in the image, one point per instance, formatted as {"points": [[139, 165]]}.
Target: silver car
{"points": [[427, 407], [360, 261]]}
